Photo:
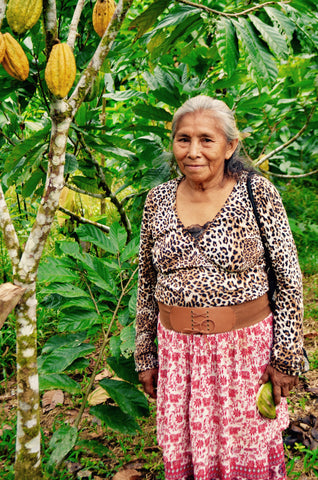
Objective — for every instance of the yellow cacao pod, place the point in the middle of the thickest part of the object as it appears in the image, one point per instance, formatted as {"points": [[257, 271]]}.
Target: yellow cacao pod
{"points": [[60, 70], [2, 47], [102, 15], [23, 14], [15, 61], [265, 401]]}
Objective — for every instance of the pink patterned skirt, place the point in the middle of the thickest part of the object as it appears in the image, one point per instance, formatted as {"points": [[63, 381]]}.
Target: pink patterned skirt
{"points": [[207, 421]]}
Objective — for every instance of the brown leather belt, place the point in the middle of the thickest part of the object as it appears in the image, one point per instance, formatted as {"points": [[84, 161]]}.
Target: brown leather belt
{"points": [[199, 320]]}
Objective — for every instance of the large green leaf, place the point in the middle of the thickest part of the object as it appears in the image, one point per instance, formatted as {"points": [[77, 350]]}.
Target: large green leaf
{"points": [[127, 396], [58, 341], [59, 381], [77, 320], [115, 419], [144, 21], [124, 368], [151, 112], [272, 37], [226, 42], [58, 360], [56, 270], [61, 443], [65, 290], [283, 23], [259, 61], [25, 147], [127, 336], [92, 234]]}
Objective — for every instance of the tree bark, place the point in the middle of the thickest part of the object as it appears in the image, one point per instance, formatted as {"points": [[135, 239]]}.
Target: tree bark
{"points": [[25, 265]]}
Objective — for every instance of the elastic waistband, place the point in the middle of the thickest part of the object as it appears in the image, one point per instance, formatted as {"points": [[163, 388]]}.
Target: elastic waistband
{"points": [[211, 320]]}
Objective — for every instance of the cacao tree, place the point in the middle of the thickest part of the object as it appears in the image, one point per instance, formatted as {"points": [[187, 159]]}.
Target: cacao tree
{"points": [[25, 261], [110, 137]]}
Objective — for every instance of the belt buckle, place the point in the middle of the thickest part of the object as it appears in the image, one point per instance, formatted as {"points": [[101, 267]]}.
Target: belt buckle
{"points": [[205, 318]]}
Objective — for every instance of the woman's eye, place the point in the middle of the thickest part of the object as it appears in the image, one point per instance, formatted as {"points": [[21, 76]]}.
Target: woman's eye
{"points": [[207, 140]]}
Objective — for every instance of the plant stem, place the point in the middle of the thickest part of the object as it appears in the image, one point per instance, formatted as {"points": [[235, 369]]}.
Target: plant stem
{"points": [[101, 353]]}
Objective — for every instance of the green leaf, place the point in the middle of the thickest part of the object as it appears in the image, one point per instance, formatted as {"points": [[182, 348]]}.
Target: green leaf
{"points": [[124, 368], [114, 345], [55, 270], [115, 419], [151, 112], [57, 341], [144, 21], [59, 381], [118, 236], [272, 37], [61, 443], [260, 63], [127, 396], [131, 250], [282, 22], [78, 320], [92, 234], [226, 42], [60, 359], [65, 290], [127, 336], [31, 184], [25, 147]]}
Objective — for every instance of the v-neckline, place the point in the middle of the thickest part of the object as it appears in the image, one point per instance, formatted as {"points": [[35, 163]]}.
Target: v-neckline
{"points": [[209, 222]]}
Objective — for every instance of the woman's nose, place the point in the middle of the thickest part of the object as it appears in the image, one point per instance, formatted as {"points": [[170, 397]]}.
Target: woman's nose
{"points": [[194, 149]]}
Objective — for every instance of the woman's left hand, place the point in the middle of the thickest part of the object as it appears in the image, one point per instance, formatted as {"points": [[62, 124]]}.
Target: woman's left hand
{"points": [[282, 383]]}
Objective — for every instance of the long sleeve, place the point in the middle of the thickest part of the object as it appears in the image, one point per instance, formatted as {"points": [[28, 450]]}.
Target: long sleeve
{"points": [[147, 309], [287, 350]]}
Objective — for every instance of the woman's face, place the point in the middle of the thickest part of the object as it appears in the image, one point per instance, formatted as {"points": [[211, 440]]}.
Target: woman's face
{"points": [[201, 148]]}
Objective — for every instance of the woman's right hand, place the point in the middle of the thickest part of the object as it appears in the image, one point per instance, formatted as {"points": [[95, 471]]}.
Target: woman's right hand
{"points": [[149, 380]]}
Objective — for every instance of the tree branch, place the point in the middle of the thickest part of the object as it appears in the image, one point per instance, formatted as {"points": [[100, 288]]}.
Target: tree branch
{"points": [[50, 24], [88, 75], [9, 234], [80, 219], [108, 193], [259, 161], [84, 192], [284, 175], [225, 14], [74, 24]]}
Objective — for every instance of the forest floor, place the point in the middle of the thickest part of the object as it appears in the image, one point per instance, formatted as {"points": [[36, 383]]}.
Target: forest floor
{"points": [[103, 454]]}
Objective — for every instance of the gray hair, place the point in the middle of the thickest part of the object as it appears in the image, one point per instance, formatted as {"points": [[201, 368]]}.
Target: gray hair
{"points": [[217, 108], [220, 111]]}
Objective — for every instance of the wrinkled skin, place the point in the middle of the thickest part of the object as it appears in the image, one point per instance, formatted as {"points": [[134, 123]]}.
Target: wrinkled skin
{"points": [[149, 380], [282, 383]]}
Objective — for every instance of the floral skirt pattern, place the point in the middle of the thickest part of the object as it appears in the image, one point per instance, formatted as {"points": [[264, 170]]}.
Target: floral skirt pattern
{"points": [[207, 422]]}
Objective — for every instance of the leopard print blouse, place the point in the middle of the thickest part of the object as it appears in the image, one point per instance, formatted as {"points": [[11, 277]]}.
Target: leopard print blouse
{"points": [[223, 265]]}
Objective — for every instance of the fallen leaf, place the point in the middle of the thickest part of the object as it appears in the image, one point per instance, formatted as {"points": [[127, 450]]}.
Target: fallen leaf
{"points": [[104, 374], [98, 396], [51, 399], [129, 474]]}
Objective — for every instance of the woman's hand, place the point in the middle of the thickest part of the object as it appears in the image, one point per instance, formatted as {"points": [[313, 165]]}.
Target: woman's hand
{"points": [[149, 380], [282, 383]]}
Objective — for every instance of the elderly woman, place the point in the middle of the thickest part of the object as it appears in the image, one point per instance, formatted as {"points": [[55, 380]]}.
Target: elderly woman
{"points": [[203, 294]]}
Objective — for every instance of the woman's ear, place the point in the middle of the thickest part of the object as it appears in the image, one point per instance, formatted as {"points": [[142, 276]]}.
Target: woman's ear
{"points": [[231, 147]]}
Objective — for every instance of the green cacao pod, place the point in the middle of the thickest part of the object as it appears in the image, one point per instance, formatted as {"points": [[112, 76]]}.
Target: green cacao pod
{"points": [[23, 14], [2, 47], [15, 61], [265, 401], [102, 15], [60, 71]]}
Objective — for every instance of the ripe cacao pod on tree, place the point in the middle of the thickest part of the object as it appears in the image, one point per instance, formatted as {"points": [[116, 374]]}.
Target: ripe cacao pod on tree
{"points": [[102, 15], [15, 61], [60, 70], [2, 47], [23, 14]]}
